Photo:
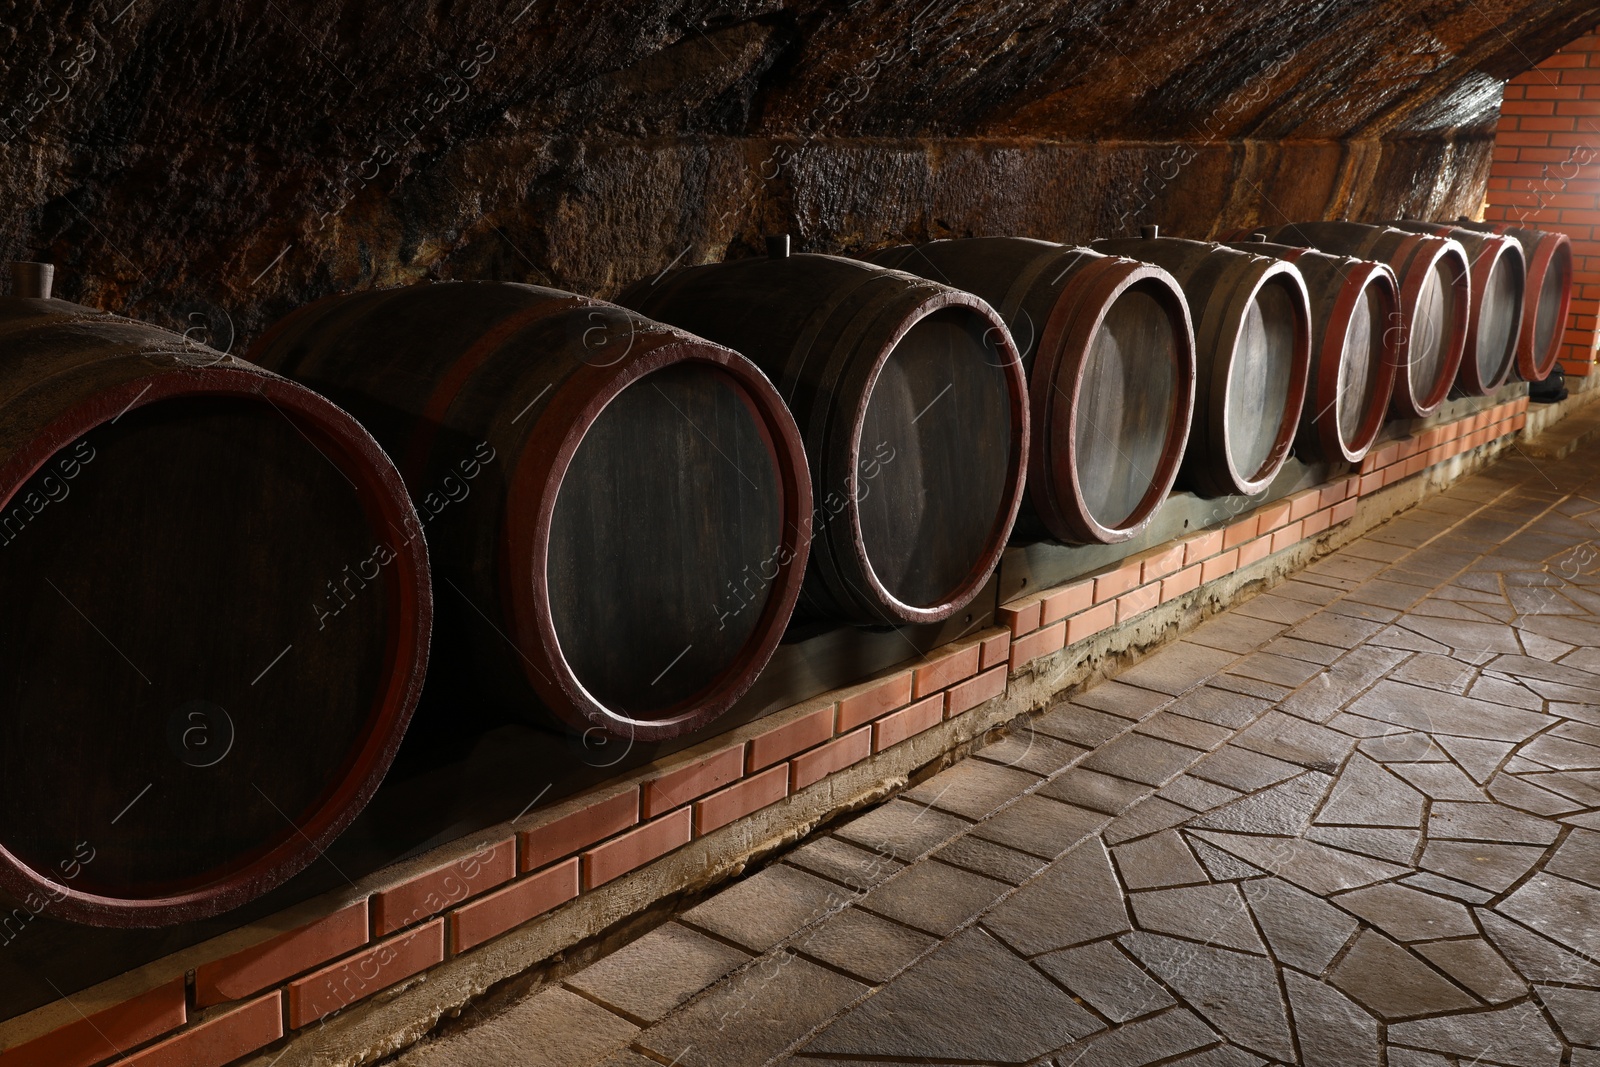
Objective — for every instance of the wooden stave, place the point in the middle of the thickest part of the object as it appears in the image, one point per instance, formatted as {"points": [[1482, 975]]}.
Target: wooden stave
{"points": [[111, 366], [1063, 294], [1412, 257], [1336, 284], [481, 545], [854, 316], [1205, 270]]}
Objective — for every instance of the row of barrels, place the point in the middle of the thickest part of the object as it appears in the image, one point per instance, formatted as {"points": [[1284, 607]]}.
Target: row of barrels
{"points": [[218, 580]]}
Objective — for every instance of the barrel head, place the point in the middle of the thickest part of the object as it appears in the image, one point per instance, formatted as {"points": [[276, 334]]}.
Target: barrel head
{"points": [[1260, 383], [210, 647], [1128, 403], [666, 539], [936, 463]]}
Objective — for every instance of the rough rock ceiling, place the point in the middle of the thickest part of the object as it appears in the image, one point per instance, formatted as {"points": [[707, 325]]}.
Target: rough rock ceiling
{"points": [[284, 75], [170, 150]]}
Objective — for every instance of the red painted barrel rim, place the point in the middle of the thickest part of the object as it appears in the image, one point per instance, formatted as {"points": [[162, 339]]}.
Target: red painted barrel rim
{"points": [[1061, 356], [356, 454], [1498, 242], [1412, 258], [1257, 272], [1323, 393], [878, 341], [1426, 251], [1495, 249], [541, 467], [1329, 435], [1548, 248]]}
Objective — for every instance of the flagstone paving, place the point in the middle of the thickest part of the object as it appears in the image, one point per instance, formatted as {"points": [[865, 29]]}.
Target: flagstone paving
{"points": [[1354, 821]]}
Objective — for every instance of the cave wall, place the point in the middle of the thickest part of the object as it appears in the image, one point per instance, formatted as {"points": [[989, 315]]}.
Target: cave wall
{"points": [[212, 165]]}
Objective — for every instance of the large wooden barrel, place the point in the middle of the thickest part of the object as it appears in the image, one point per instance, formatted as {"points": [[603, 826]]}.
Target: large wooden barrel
{"points": [[1435, 300], [1354, 353], [1109, 352], [1547, 295], [1499, 275], [1253, 355], [913, 406], [619, 512], [217, 612]]}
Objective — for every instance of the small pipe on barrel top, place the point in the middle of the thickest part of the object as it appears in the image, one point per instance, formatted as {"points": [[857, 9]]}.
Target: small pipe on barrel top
{"points": [[32, 279]]}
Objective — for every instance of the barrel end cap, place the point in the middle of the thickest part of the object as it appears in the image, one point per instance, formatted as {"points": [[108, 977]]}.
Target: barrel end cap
{"points": [[32, 279]]}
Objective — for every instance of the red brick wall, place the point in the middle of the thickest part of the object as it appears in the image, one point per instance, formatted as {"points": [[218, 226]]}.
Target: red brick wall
{"points": [[1546, 174]]}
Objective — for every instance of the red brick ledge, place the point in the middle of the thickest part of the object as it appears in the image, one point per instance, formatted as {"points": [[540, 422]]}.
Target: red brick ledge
{"points": [[424, 913]]}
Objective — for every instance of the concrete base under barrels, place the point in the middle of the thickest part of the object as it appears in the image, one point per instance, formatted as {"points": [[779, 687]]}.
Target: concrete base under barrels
{"points": [[368, 968]]}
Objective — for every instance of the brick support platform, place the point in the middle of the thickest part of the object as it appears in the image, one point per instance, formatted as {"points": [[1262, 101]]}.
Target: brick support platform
{"points": [[364, 971], [1546, 175]]}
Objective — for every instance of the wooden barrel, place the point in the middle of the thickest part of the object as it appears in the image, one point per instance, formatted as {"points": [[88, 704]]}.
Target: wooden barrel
{"points": [[1109, 352], [1499, 275], [1354, 353], [1435, 300], [913, 406], [1547, 295], [618, 512], [217, 613], [1253, 355]]}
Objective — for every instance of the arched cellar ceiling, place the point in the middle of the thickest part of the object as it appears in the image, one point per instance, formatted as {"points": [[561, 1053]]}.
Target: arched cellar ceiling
{"points": [[1176, 68], [232, 160], [282, 75]]}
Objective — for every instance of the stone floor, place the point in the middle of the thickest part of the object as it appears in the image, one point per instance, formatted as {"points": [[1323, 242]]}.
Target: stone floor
{"points": [[1353, 821]]}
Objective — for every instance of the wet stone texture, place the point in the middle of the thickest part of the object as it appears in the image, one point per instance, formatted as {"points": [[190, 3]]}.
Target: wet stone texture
{"points": [[1397, 862]]}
